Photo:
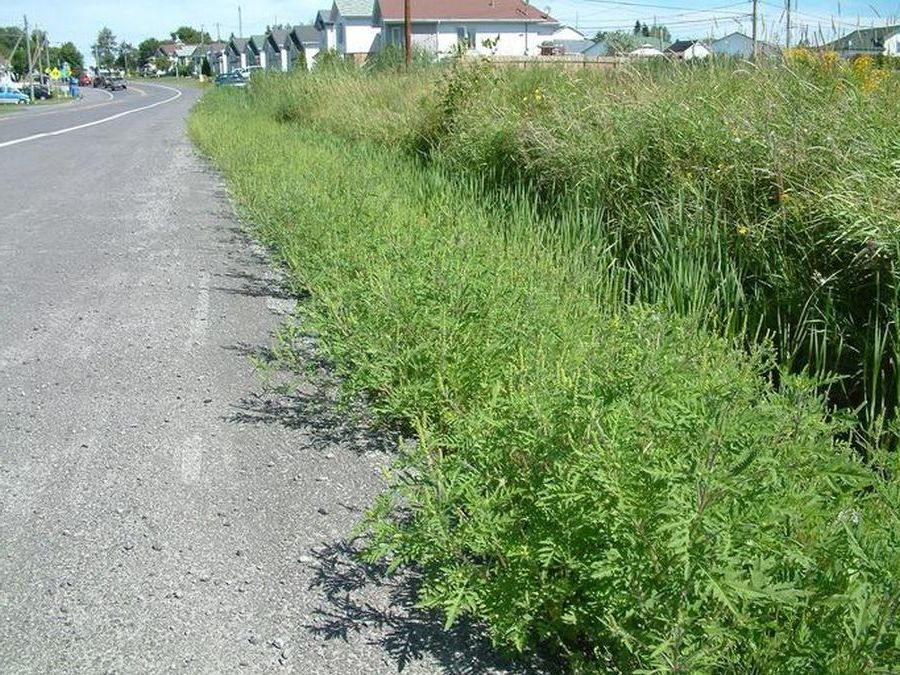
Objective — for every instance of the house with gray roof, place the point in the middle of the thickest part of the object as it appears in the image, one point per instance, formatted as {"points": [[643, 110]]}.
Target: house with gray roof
{"points": [[256, 46], [277, 49], [304, 45], [740, 45], [325, 26], [236, 53], [868, 41], [355, 31]]}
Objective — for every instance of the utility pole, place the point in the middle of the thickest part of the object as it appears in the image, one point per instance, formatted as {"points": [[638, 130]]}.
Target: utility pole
{"points": [[754, 30], [240, 23], [787, 41], [28, 52], [407, 24], [218, 33]]}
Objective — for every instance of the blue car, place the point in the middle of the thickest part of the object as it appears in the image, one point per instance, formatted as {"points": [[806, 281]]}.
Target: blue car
{"points": [[10, 95]]}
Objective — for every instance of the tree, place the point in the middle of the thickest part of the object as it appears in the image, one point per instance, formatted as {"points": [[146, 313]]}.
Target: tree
{"points": [[637, 28], [126, 56], [660, 32], [9, 36], [67, 52], [105, 48], [146, 50], [206, 69], [645, 31], [619, 42], [190, 35]]}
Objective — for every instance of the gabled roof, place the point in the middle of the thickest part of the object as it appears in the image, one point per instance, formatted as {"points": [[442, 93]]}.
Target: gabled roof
{"points": [[186, 51], [238, 45], [462, 10], [304, 35], [168, 48], [864, 39], [352, 8], [761, 46], [278, 38], [257, 43], [323, 18], [681, 46], [215, 47]]}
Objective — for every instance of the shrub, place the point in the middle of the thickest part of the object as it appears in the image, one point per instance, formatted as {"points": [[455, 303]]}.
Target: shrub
{"points": [[611, 480]]}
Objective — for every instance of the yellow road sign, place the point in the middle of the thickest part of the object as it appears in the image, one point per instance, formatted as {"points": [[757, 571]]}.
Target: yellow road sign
{"points": [[54, 73]]}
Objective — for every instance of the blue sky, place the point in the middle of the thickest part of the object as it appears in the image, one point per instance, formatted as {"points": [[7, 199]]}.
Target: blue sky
{"points": [[132, 22]]}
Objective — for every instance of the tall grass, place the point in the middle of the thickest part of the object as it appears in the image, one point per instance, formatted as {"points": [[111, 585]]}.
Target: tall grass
{"points": [[593, 471], [759, 198]]}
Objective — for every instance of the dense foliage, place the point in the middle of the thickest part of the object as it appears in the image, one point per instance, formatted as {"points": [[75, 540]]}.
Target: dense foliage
{"points": [[595, 470]]}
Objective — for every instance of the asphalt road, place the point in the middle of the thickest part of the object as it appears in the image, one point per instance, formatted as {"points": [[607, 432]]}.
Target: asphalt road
{"points": [[161, 508]]}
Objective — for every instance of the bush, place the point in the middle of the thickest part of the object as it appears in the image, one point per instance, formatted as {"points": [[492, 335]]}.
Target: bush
{"points": [[610, 480]]}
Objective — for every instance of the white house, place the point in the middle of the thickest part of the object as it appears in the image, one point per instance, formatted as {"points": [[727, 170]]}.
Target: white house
{"points": [[892, 44], [257, 50], [566, 33], [354, 30], [503, 27], [688, 49], [741, 46], [277, 49], [325, 26], [303, 40], [236, 53]]}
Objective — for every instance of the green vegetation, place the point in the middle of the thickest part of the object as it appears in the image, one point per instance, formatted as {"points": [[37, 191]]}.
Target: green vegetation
{"points": [[585, 297]]}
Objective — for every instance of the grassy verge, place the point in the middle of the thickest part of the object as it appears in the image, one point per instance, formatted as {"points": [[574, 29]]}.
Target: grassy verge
{"points": [[604, 477], [760, 200]]}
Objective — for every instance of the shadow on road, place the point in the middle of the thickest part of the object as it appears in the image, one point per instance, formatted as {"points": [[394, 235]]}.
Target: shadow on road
{"points": [[404, 631]]}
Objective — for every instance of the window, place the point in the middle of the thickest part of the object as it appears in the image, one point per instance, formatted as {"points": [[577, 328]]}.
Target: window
{"points": [[395, 36], [465, 36]]}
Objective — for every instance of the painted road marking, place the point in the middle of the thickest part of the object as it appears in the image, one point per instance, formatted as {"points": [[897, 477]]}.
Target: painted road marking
{"points": [[64, 108], [103, 120]]}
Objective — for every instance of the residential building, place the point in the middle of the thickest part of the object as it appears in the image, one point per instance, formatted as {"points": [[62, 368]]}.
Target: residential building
{"points": [[868, 41], [325, 26], [502, 27], [740, 45], [303, 40], [236, 53], [277, 49], [687, 50], [257, 47], [217, 55], [355, 32]]}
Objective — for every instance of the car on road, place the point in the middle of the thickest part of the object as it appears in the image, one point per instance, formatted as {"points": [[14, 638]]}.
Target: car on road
{"points": [[114, 83], [99, 81], [84, 80], [14, 96]]}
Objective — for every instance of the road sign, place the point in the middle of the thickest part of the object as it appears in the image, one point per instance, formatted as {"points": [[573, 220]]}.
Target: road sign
{"points": [[54, 73]]}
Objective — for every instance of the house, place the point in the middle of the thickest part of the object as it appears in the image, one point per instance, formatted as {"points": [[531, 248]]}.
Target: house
{"points": [[217, 55], [645, 51], [167, 50], [687, 50], [236, 53], [303, 40], [502, 27], [355, 31], [277, 49], [185, 57], [257, 47], [871, 41], [567, 33], [741, 46], [325, 26]]}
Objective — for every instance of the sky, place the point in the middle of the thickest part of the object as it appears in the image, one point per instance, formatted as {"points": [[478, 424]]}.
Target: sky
{"points": [[79, 22]]}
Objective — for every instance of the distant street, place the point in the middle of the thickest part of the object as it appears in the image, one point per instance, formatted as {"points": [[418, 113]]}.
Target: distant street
{"points": [[158, 509]]}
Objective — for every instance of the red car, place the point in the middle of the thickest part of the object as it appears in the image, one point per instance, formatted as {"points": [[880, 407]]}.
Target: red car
{"points": [[84, 80]]}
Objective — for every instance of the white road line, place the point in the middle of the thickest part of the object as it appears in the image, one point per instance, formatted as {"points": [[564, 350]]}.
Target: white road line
{"points": [[95, 122]]}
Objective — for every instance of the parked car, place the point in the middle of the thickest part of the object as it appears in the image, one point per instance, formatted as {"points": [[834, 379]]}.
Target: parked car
{"points": [[114, 83], [232, 79], [41, 91], [84, 80], [99, 81], [10, 95]]}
